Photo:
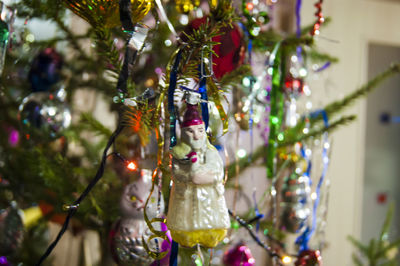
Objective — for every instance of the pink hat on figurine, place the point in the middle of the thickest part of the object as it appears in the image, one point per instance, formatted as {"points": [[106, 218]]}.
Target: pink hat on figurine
{"points": [[191, 116]]}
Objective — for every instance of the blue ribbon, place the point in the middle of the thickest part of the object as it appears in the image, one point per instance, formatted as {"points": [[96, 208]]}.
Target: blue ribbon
{"points": [[325, 66], [173, 259], [171, 107], [305, 237], [204, 104], [298, 28]]}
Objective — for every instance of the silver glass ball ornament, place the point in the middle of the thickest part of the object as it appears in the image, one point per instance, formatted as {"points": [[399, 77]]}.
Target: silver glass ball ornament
{"points": [[44, 115], [295, 204]]}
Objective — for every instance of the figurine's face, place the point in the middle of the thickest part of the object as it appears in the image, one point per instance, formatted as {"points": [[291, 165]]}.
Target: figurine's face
{"points": [[195, 136]]}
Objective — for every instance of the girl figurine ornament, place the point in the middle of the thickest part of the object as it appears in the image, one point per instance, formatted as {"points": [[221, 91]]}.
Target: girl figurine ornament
{"points": [[197, 208]]}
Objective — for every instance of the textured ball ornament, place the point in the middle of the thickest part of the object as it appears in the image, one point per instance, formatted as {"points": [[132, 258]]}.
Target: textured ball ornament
{"points": [[11, 230], [240, 255], [105, 13], [125, 238], [44, 114], [295, 207], [309, 258], [185, 6]]}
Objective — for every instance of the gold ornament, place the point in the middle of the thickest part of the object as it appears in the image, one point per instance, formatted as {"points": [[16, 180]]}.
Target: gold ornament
{"points": [[185, 6], [242, 118], [105, 13], [213, 4]]}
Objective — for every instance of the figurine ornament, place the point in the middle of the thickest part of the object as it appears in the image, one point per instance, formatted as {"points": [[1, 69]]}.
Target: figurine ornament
{"points": [[197, 208]]}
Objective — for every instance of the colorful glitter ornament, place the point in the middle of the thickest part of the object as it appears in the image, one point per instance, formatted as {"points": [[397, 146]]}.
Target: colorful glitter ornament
{"points": [[44, 114], [309, 258], [295, 207], [105, 13], [239, 255]]}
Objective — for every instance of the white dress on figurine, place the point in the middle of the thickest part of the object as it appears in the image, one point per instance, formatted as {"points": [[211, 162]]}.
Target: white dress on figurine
{"points": [[197, 209]]}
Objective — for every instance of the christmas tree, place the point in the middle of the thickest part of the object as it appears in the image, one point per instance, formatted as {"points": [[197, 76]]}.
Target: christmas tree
{"points": [[101, 123]]}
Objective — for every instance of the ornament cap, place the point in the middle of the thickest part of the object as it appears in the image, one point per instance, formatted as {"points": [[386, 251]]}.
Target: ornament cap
{"points": [[191, 116]]}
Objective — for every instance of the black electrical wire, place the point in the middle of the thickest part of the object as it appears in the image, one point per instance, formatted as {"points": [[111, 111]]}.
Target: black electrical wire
{"points": [[244, 224], [130, 56], [74, 207]]}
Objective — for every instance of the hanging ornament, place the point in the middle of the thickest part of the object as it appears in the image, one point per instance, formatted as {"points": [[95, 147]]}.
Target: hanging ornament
{"points": [[294, 85], [45, 70], [105, 13], [294, 204], [44, 114], [241, 117], [4, 261], [13, 135], [4, 35], [230, 52], [320, 18], [11, 230], [309, 258], [126, 236], [239, 255], [197, 209], [185, 6]]}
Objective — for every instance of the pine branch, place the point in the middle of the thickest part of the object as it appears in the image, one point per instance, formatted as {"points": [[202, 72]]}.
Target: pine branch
{"points": [[385, 228], [356, 260], [71, 38], [235, 77], [394, 244], [363, 249], [338, 106], [245, 162], [258, 153], [94, 125], [291, 137], [316, 56]]}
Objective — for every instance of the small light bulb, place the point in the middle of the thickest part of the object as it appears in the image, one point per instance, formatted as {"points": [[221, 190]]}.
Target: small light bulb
{"points": [[168, 43], [241, 153], [286, 259], [249, 6], [313, 196], [131, 166]]}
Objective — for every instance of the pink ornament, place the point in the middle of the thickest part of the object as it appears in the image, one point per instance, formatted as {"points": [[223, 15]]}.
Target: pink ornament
{"points": [[240, 255], [309, 258], [13, 137]]}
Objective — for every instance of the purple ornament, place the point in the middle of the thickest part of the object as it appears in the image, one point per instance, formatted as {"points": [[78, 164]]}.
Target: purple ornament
{"points": [[13, 139], [45, 70], [4, 261], [240, 255]]}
